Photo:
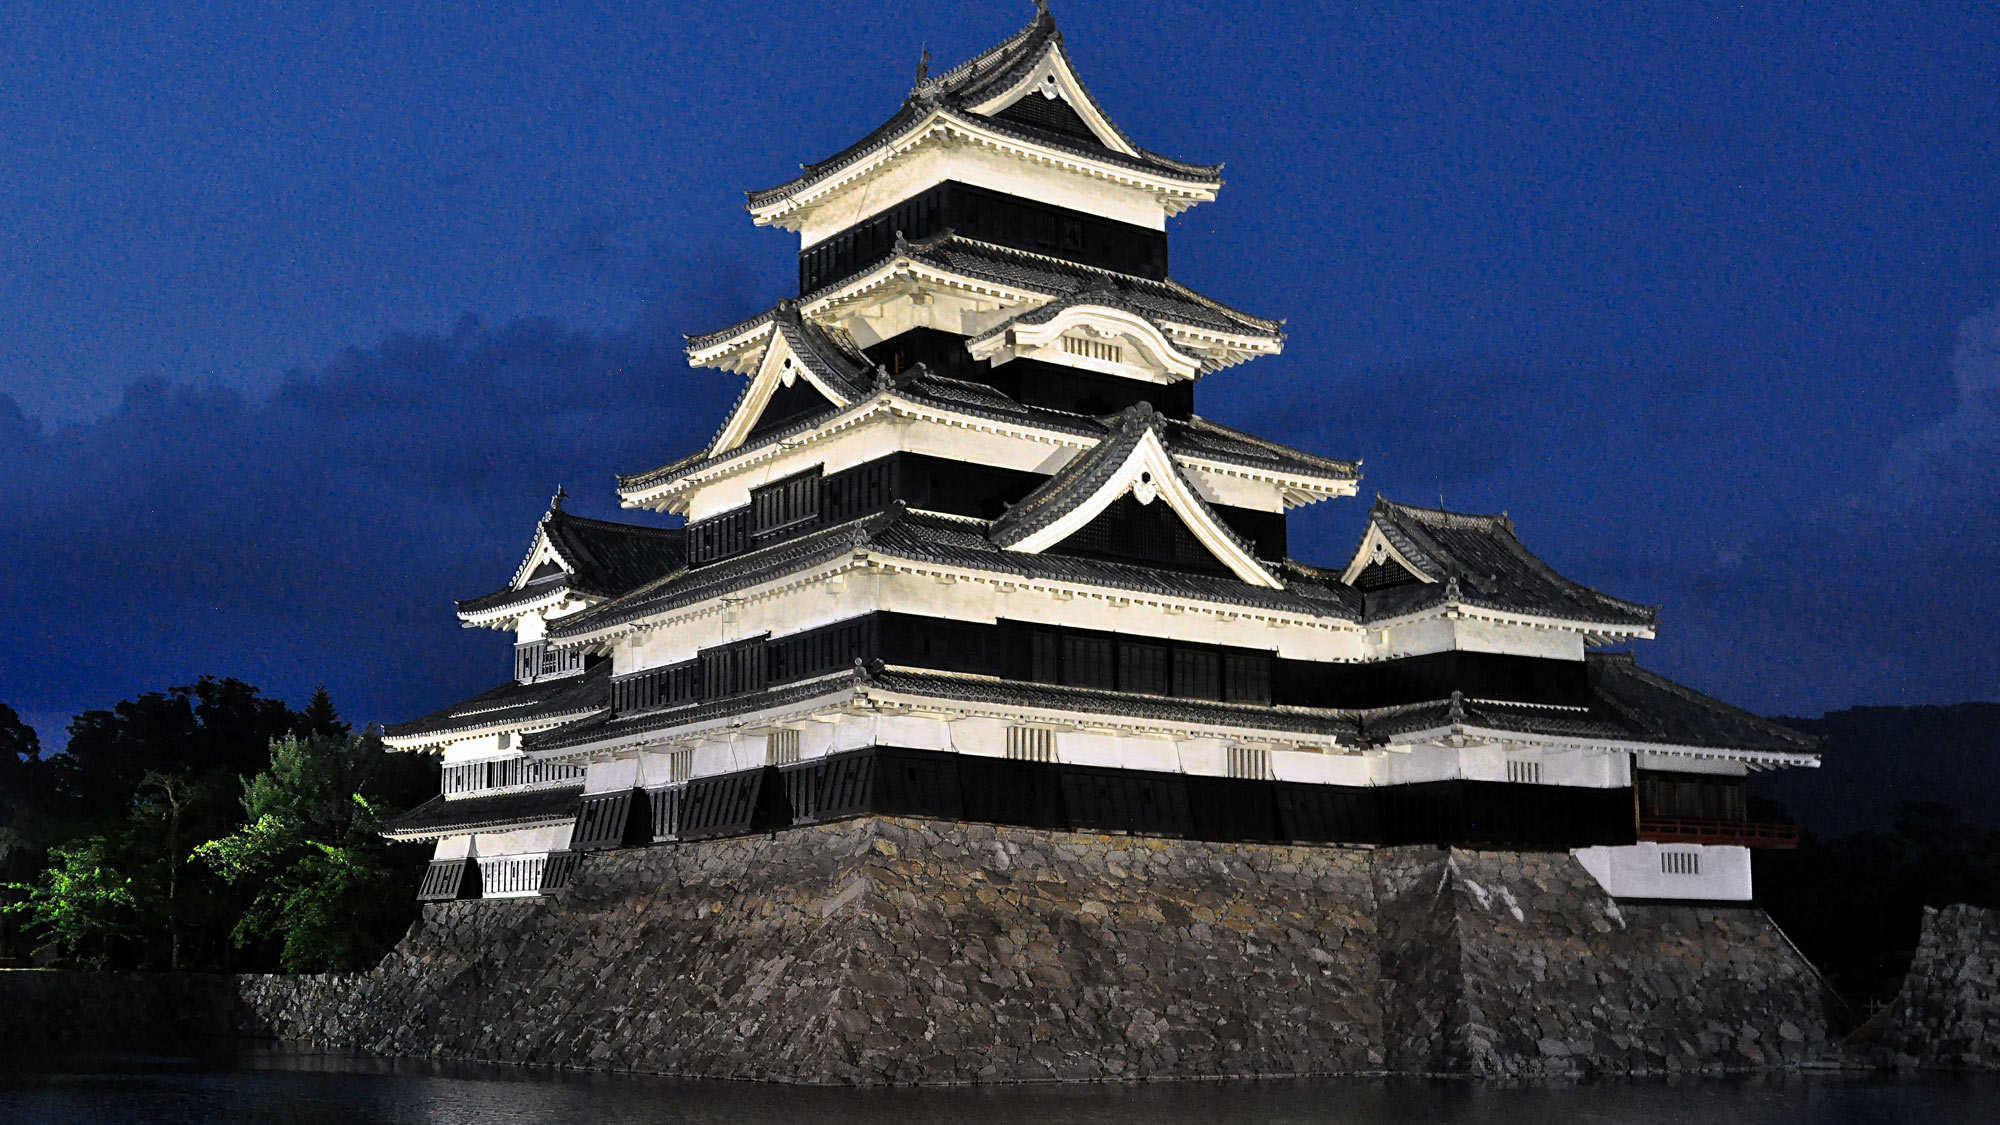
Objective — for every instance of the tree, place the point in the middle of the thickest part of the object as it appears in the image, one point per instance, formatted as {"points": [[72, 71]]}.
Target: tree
{"points": [[82, 906], [328, 888], [23, 781]]}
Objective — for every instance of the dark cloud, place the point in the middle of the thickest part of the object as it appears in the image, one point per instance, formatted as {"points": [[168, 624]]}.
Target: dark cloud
{"points": [[1689, 484], [319, 535]]}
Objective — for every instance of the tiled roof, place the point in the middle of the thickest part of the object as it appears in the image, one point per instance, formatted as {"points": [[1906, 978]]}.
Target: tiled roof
{"points": [[925, 538], [1387, 723], [1195, 437], [1200, 437], [1660, 710], [686, 586], [1020, 693], [608, 727], [439, 817], [514, 704], [922, 537], [1477, 560], [606, 559], [1167, 301], [1629, 705], [974, 81]]}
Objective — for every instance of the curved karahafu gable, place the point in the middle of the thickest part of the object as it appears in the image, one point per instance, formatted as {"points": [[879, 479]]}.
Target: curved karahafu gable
{"points": [[1098, 330]]}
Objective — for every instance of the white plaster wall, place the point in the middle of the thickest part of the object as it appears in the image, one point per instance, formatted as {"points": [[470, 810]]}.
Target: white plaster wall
{"points": [[1634, 871], [1326, 769], [611, 776], [1687, 763], [1442, 634], [452, 847], [477, 748], [522, 841], [934, 164]]}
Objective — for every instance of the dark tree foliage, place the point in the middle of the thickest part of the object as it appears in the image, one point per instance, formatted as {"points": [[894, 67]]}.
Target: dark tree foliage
{"points": [[24, 802], [98, 844], [1855, 903]]}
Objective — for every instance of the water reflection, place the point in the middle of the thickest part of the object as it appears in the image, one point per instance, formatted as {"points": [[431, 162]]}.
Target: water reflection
{"points": [[292, 1087]]}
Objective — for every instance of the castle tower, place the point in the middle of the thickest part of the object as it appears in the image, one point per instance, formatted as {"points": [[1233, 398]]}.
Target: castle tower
{"points": [[966, 549]]}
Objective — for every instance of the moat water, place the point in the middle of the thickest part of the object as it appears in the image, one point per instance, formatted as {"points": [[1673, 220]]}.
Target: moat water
{"points": [[267, 1084]]}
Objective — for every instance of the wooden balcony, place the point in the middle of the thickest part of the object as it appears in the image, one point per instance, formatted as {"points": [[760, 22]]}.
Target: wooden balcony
{"points": [[1733, 832]]}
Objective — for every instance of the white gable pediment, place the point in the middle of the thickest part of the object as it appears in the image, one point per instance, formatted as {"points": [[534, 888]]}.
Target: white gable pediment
{"points": [[542, 553], [1376, 548], [1149, 475], [1094, 338], [1052, 78], [781, 366]]}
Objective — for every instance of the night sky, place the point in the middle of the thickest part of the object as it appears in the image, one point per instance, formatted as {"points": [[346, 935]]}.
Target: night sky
{"points": [[304, 316]]}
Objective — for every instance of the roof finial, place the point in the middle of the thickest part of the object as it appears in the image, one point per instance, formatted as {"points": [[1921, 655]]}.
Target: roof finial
{"points": [[556, 501], [1041, 9], [923, 66], [1457, 715]]}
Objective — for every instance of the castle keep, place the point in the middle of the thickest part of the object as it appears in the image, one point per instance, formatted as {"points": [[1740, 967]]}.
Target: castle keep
{"points": [[965, 552]]}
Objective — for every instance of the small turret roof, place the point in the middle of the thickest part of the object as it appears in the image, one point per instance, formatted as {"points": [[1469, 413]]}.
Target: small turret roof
{"points": [[1478, 560], [598, 558]]}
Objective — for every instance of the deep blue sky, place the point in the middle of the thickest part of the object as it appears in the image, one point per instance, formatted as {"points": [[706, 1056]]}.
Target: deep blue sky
{"points": [[304, 315]]}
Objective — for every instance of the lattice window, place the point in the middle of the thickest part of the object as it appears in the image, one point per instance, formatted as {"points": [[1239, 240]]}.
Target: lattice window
{"points": [[1143, 668], [1086, 662], [680, 765], [1093, 349], [781, 748], [1246, 678], [1031, 744], [1249, 762], [504, 773], [794, 500], [1680, 863], [1528, 773], [508, 875], [1197, 674]]}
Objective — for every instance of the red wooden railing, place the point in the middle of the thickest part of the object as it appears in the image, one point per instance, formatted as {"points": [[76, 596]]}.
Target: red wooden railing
{"points": [[1740, 833]]}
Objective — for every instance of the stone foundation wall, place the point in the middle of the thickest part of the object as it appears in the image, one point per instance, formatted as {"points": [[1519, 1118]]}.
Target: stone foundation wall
{"points": [[883, 950], [1948, 1011]]}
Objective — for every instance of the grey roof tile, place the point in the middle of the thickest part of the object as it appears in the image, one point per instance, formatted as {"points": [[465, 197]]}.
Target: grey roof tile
{"points": [[514, 703], [441, 817], [1479, 559], [609, 558]]}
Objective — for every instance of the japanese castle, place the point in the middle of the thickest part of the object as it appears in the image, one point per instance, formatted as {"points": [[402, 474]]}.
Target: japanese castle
{"points": [[964, 549]]}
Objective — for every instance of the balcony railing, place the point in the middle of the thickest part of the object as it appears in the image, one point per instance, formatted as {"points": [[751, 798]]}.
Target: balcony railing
{"points": [[1738, 833]]}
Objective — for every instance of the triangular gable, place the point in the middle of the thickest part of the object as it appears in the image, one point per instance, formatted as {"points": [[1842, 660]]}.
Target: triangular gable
{"points": [[543, 552], [1144, 470], [1051, 78], [783, 367], [1374, 560]]}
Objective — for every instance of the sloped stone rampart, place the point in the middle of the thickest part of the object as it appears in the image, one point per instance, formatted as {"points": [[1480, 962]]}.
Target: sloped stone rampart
{"points": [[1947, 1013], [883, 950]]}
